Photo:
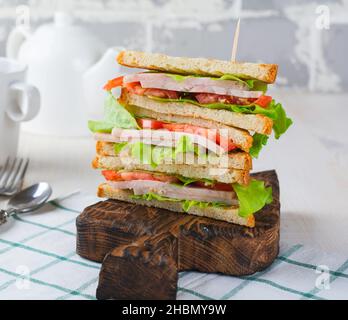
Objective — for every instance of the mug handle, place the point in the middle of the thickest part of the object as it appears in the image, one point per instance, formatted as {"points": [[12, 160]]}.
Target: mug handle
{"points": [[14, 41], [25, 102]]}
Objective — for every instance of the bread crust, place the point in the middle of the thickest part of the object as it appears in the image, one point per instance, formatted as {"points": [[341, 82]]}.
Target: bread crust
{"points": [[253, 122], [197, 66], [228, 214], [220, 174]]}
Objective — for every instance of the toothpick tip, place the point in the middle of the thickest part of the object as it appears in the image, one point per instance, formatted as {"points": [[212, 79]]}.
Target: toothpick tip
{"points": [[235, 42]]}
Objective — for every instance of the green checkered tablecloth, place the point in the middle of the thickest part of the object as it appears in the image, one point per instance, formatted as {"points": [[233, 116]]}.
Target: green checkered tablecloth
{"points": [[38, 261]]}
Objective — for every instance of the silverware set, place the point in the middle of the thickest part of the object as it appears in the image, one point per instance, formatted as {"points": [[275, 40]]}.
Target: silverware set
{"points": [[11, 180]]}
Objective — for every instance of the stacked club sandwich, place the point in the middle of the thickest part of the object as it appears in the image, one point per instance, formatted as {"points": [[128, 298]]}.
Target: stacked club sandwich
{"points": [[182, 135]]}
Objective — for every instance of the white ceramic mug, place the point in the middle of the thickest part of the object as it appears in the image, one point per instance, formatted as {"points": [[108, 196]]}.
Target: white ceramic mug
{"points": [[19, 102]]}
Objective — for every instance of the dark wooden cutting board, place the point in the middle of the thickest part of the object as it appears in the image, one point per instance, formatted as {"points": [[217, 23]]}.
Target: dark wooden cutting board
{"points": [[142, 249]]}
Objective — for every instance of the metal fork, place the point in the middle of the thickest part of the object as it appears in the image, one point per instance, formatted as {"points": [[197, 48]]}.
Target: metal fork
{"points": [[12, 176]]}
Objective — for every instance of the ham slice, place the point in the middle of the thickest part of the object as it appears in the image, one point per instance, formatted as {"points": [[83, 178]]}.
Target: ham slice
{"points": [[192, 84], [157, 137], [165, 189]]}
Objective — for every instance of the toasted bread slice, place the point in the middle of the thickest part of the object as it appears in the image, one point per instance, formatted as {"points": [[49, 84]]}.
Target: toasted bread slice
{"points": [[253, 122], [218, 173], [241, 138], [198, 66], [236, 160], [229, 214]]}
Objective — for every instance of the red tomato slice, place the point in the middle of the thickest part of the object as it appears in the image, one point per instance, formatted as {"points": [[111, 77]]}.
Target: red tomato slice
{"points": [[215, 186], [223, 186], [187, 128], [111, 175], [135, 87], [206, 98], [117, 82], [165, 178], [211, 134], [263, 101], [225, 143], [150, 124], [162, 93], [136, 175], [176, 126]]}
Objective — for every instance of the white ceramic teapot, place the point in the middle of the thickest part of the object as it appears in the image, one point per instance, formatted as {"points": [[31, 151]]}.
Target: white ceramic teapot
{"points": [[69, 67]]}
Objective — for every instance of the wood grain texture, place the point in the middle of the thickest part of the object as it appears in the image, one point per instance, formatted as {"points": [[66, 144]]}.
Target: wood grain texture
{"points": [[109, 224], [144, 269], [142, 249]]}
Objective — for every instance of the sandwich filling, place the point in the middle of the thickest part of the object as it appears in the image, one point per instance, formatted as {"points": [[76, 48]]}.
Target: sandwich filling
{"points": [[191, 192], [181, 84], [120, 126], [211, 141], [228, 92], [199, 89]]}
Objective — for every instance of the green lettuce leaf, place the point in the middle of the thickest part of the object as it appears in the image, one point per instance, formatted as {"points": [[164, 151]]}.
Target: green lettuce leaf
{"points": [[178, 77], [186, 181], [115, 116], [100, 126], [186, 204], [274, 111], [258, 85], [152, 196], [254, 85], [154, 155], [160, 153], [142, 152], [185, 145], [252, 197], [281, 122], [259, 140], [119, 146]]}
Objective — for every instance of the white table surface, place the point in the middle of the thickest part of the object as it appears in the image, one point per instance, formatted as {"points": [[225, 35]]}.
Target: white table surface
{"points": [[311, 160]]}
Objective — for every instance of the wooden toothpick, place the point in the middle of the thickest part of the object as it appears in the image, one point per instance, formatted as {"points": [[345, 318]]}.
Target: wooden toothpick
{"points": [[235, 42]]}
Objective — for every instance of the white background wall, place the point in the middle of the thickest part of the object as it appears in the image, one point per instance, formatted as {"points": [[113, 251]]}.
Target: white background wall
{"points": [[274, 31]]}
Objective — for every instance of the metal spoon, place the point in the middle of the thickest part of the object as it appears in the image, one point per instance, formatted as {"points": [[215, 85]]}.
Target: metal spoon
{"points": [[29, 199]]}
